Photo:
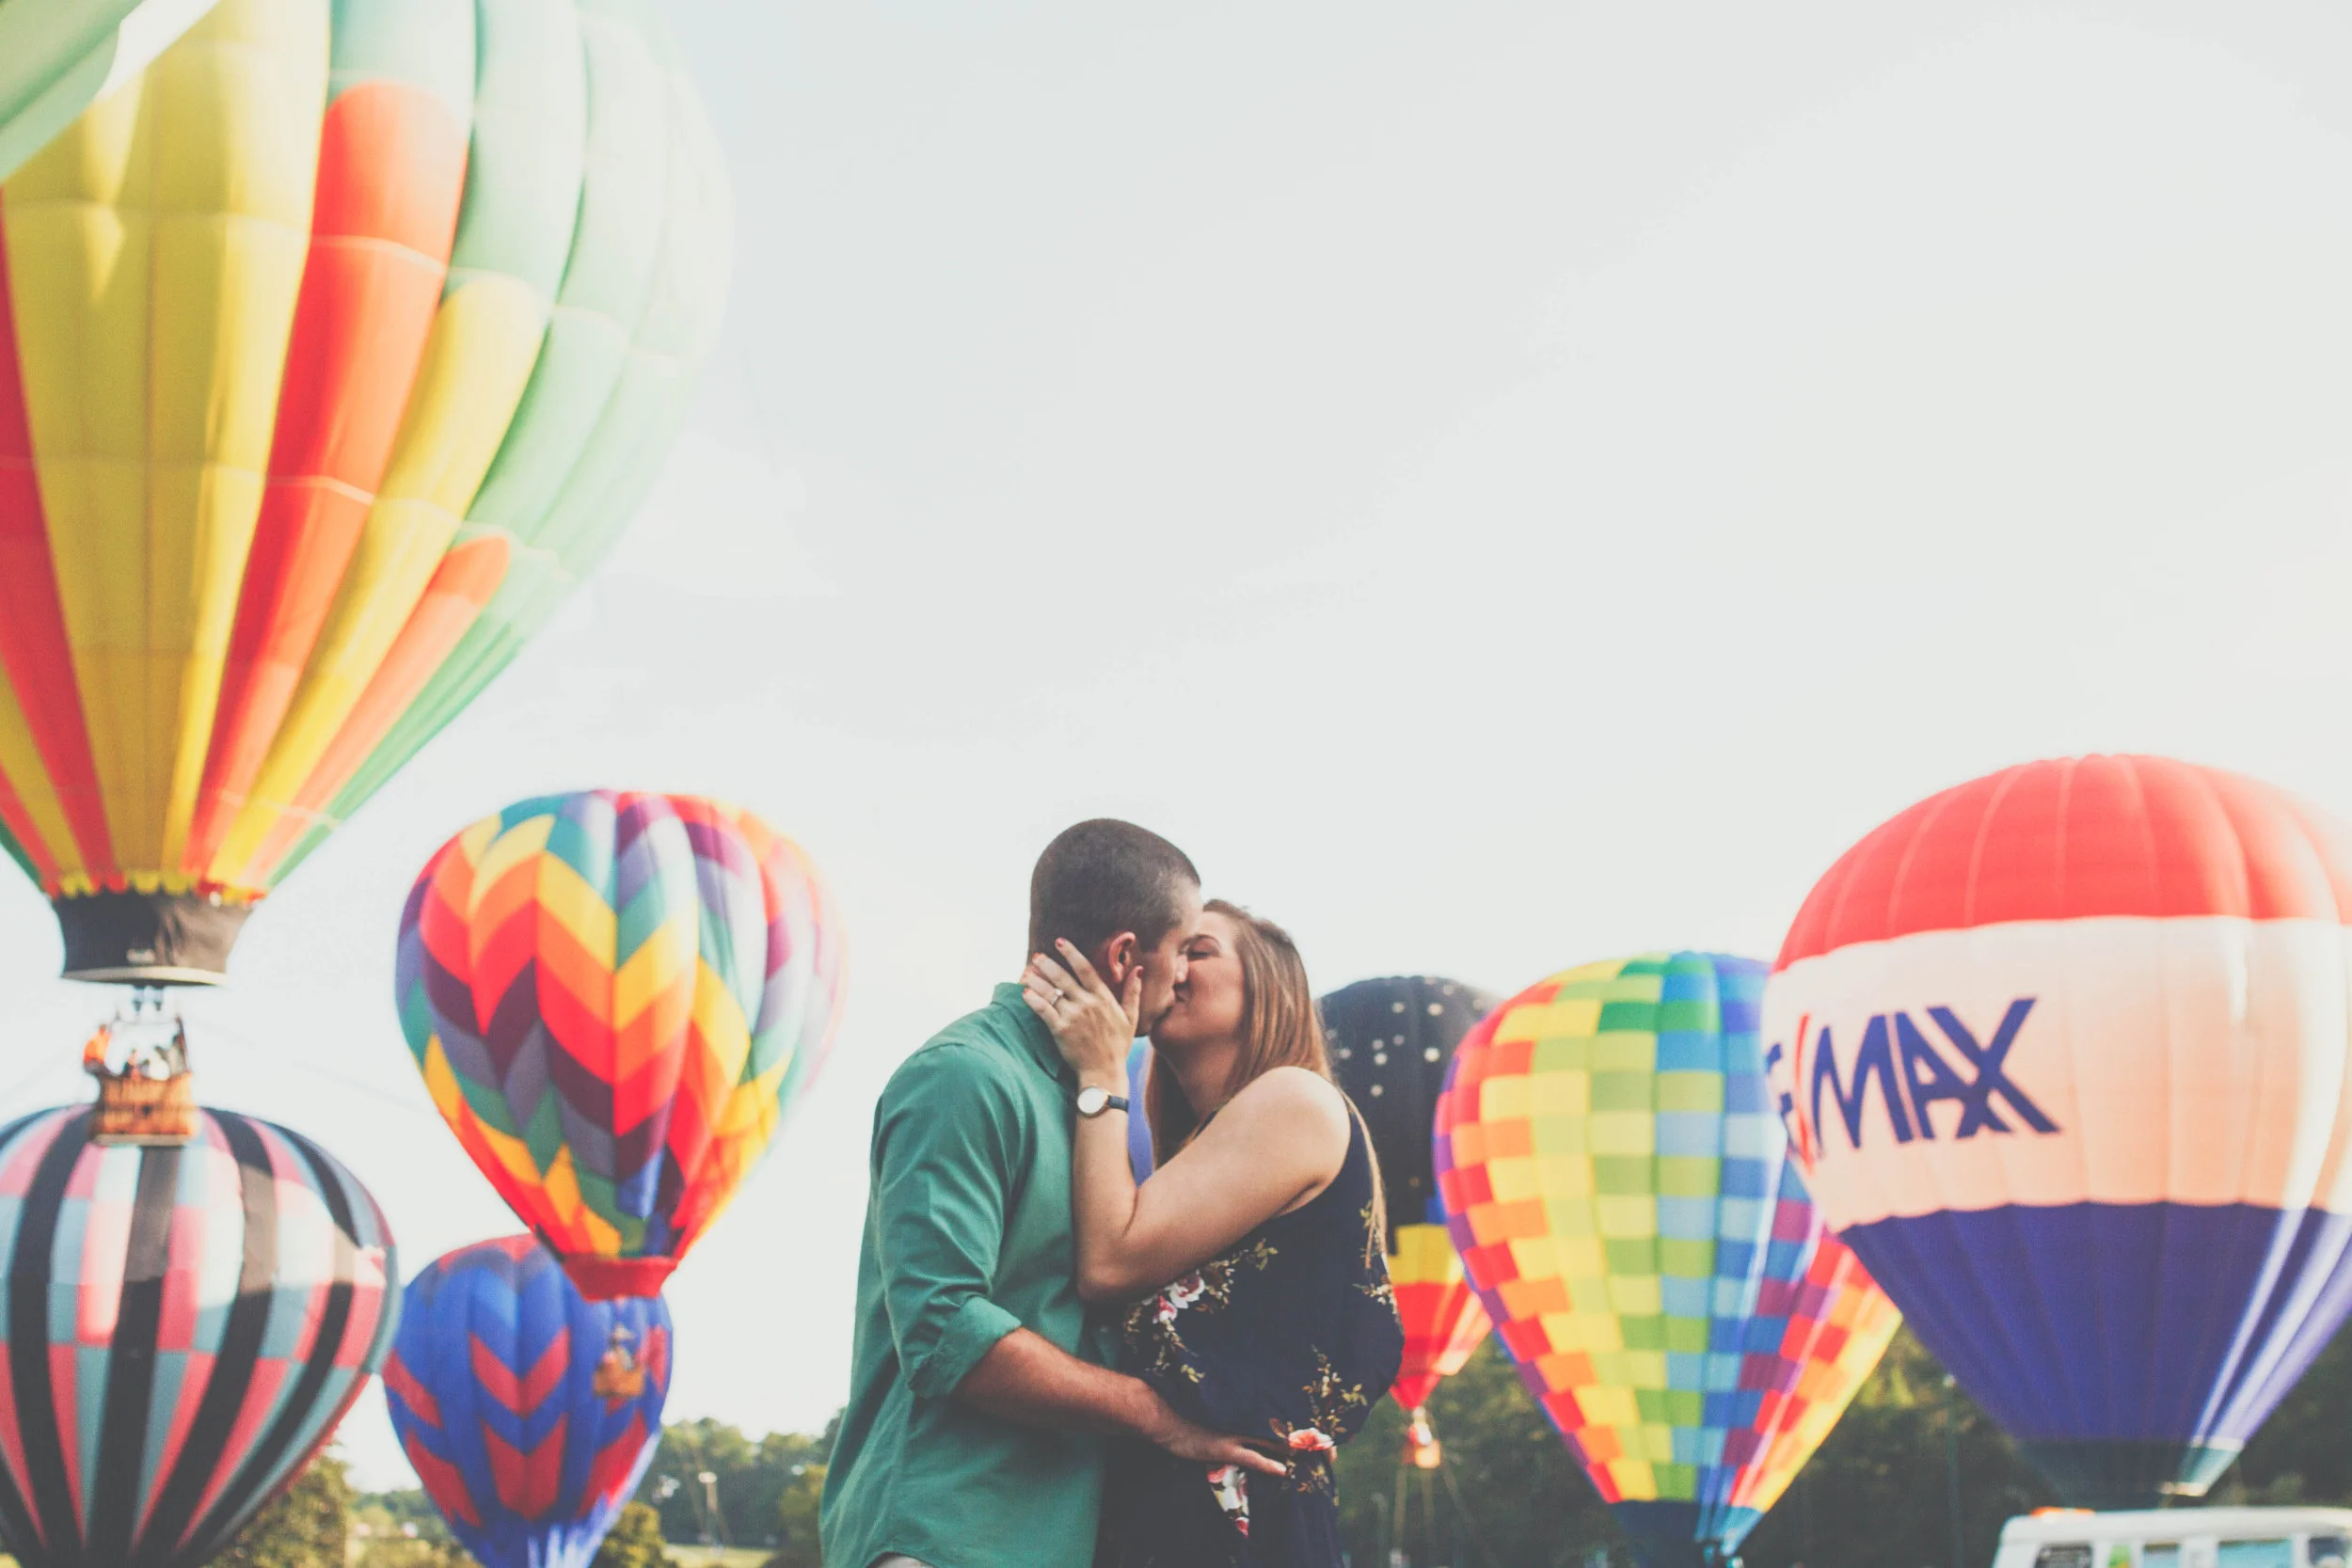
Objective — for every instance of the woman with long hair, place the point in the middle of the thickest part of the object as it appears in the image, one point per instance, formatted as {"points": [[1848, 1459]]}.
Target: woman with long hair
{"points": [[1250, 1268]]}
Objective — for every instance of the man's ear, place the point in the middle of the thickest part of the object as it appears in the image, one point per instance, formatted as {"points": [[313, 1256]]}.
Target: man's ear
{"points": [[1119, 956]]}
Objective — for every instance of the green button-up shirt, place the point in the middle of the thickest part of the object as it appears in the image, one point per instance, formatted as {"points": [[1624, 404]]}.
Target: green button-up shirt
{"points": [[968, 1238]]}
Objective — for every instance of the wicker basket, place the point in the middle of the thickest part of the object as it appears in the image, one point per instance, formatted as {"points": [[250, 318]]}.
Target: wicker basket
{"points": [[153, 1113]]}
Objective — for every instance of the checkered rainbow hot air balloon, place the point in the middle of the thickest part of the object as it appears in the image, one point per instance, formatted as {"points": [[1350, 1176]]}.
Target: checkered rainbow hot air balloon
{"points": [[614, 998], [1618, 1183]]}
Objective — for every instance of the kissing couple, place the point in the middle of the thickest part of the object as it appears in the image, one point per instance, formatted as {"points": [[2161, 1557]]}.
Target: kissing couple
{"points": [[1056, 1365]]}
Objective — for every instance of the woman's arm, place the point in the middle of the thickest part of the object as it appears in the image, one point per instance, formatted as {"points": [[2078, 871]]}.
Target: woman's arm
{"points": [[1279, 1142]]}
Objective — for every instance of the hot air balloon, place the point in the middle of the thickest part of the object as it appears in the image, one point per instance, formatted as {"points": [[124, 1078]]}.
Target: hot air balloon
{"points": [[333, 347], [613, 999], [1619, 1185], [57, 55], [185, 1326], [1391, 1042], [1141, 1156], [527, 1411], [2066, 1056]]}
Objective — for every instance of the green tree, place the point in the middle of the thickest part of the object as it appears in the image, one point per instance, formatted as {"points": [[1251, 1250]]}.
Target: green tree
{"points": [[1879, 1489], [307, 1525], [797, 1544], [2303, 1453], [399, 1512], [634, 1541], [752, 1480]]}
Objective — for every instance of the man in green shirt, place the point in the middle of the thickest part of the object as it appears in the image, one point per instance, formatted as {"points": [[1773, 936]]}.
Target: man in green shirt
{"points": [[978, 1400]]}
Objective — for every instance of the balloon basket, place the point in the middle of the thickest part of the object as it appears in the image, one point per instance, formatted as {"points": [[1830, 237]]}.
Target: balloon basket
{"points": [[1423, 1451], [149, 1099], [148, 1113]]}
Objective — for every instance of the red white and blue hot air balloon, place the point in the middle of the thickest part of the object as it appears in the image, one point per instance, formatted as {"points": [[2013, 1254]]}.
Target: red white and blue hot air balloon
{"points": [[527, 1411], [2065, 1054]]}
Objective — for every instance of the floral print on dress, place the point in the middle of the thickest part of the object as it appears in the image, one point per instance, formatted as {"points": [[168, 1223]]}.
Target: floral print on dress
{"points": [[1232, 1494], [1284, 1340], [1152, 1324], [1178, 1296]]}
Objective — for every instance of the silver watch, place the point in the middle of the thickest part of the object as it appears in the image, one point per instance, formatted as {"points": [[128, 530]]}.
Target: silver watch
{"points": [[1095, 1100]]}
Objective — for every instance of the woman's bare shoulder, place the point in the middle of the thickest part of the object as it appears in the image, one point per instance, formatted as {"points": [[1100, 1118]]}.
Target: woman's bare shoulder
{"points": [[1292, 1095]]}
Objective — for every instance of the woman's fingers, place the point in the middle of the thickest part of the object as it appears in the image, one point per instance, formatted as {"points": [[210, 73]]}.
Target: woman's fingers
{"points": [[1054, 975], [1249, 1457], [1083, 969]]}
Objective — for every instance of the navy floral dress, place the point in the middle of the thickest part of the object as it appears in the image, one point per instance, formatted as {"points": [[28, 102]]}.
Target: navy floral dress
{"points": [[1290, 1336]]}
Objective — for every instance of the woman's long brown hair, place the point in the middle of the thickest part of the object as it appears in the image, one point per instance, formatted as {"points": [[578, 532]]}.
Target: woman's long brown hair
{"points": [[1280, 1027]]}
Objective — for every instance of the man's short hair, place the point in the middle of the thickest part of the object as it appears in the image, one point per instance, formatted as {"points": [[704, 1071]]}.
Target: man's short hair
{"points": [[1104, 876]]}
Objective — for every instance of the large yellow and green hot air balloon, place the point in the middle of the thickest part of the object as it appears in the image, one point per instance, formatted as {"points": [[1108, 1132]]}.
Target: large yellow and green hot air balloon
{"points": [[59, 55], [1614, 1171], [334, 347]]}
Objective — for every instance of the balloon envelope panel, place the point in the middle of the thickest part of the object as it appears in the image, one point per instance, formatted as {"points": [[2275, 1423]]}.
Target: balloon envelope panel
{"points": [[613, 999], [322, 341], [57, 55], [185, 1328], [2066, 1052], [1391, 1042], [529, 1412], [1614, 1177]]}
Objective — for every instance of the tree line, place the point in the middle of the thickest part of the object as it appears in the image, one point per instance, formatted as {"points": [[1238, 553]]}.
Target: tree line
{"points": [[1879, 1492]]}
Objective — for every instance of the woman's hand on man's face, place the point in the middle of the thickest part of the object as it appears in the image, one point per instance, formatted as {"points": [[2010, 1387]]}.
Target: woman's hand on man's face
{"points": [[1092, 1024]]}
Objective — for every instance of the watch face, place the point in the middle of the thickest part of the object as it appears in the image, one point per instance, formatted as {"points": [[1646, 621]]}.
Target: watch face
{"points": [[1092, 1101]]}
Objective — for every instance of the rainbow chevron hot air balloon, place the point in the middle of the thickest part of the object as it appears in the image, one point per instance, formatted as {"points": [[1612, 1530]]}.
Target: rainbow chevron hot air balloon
{"points": [[614, 998], [1612, 1170], [333, 347], [529, 1412]]}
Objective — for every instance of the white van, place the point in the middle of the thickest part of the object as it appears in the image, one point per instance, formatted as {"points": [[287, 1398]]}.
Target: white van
{"points": [[2179, 1538]]}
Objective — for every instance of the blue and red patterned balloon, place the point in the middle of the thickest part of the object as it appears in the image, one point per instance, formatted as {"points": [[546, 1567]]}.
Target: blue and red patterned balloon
{"points": [[184, 1327], [527, 1411]]}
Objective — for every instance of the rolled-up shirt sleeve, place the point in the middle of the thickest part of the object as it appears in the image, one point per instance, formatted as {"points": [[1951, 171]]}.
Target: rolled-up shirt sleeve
{"points": [[946, 1140]]}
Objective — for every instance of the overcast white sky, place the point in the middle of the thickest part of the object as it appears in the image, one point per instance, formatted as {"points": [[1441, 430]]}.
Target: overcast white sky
{"points": [[1501, 485]]}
